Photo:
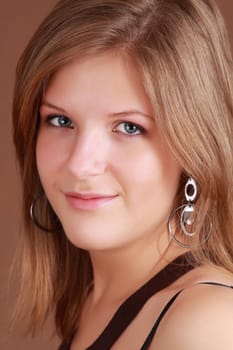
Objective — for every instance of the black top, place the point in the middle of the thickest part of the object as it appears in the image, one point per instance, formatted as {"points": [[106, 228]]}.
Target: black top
{"points": [[129, 309]]}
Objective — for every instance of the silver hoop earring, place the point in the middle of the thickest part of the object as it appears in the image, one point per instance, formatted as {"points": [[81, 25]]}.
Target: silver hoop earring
{"points": [[187, 215], [37, 223]]}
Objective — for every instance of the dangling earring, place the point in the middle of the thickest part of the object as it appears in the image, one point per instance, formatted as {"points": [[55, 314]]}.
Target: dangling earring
{"points": [[37, 223], [187, 216]]}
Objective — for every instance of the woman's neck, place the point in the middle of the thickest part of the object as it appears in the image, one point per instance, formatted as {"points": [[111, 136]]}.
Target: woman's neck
{"points": [[118, 273]]}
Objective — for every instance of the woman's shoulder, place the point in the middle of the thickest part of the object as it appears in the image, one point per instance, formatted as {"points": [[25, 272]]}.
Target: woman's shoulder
{"points": [[202, 315]]}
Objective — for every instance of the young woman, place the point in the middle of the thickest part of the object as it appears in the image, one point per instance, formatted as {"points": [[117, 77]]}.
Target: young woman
{"points": [[124, 134]]}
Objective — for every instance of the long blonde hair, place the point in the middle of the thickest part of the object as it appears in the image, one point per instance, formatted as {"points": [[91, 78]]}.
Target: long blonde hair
{"points": [[182, 53]]}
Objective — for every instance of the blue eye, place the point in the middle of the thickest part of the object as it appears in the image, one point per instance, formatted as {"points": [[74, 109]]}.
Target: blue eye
{"points": [[60, 121], [129, 128]]}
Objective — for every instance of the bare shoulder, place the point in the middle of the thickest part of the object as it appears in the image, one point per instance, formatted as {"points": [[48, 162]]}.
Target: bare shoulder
{"points": [[201, 317]]}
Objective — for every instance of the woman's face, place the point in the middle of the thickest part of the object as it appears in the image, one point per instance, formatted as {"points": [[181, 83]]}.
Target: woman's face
{"points": [[104, 167]]}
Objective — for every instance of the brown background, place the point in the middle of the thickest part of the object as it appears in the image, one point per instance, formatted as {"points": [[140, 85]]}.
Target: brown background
{"points": [[18, 20]]}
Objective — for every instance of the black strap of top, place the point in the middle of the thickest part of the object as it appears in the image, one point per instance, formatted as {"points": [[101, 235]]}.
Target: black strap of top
{"points": [[131, 307], [158, 320], [64, 346], [166, 308]]}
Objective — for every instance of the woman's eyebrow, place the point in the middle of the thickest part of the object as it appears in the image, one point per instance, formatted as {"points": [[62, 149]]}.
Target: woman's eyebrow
{"points": [[130, 112], [51, 105]]}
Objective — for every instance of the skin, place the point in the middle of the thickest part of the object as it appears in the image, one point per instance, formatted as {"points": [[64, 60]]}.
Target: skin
{"points": [[98, 135]]}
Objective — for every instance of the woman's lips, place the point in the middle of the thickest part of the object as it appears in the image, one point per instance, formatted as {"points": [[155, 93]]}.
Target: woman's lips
{"points": [[88, 201]]}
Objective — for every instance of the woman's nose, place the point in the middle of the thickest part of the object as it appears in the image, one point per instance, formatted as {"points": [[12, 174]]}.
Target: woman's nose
{"points": [[88, 155]]}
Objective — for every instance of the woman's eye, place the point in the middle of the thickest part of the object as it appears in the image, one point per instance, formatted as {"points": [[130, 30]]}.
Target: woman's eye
{"points": [[60, 121], [129, 128]]}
